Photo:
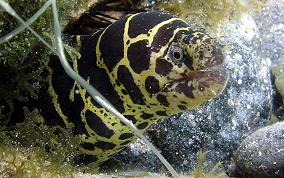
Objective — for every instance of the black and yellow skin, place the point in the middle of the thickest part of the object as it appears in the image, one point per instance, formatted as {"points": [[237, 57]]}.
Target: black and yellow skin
{"points": [[148, 65]]}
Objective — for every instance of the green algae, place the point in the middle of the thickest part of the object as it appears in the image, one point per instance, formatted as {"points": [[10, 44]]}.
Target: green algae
{"points": [[30, 149], [278, 73], [19, 162], [22, 55], [198, 173], [25, 45], [211, 12]]}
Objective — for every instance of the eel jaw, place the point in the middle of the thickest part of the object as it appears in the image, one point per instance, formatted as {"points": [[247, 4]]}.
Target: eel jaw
{"points": [[199, 86]]}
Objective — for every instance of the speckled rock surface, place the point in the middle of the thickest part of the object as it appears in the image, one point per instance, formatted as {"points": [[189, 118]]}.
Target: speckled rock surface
{"points": [[221, 124], [262, 153], [271, 26]]}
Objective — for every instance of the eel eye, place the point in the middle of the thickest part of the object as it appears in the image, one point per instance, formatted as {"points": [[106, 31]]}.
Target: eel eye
{"points": [[175, 53]]}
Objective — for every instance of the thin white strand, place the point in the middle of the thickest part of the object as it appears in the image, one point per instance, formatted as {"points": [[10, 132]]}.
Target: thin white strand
{"points": [[22, 27], [11, 11]]}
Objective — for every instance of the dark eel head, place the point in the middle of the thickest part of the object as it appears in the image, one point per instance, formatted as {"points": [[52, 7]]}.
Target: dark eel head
{"points": [[195, 75], [162, 65], [185, 67]]}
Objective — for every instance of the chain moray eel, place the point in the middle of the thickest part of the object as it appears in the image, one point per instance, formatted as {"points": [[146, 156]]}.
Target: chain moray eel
{"points": [[148, 65]]}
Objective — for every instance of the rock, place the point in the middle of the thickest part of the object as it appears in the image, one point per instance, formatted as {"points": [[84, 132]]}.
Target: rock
{"points": [[271, 27], [262, 153], [270, 23]]}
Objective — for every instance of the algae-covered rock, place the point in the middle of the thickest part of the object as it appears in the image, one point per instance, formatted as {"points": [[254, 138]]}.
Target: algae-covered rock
{"points": [[261, 154]]}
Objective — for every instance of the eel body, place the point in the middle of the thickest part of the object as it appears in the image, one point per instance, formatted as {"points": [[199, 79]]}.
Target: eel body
{"points": [[148, 65]]}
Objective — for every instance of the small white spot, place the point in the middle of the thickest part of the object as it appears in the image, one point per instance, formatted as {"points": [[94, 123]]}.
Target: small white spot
{"points": [[234, 123], [77, 92]]}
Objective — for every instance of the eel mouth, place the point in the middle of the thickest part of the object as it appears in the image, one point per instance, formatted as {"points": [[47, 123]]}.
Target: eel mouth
{"points": [[191, 76], [214, 75]]}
